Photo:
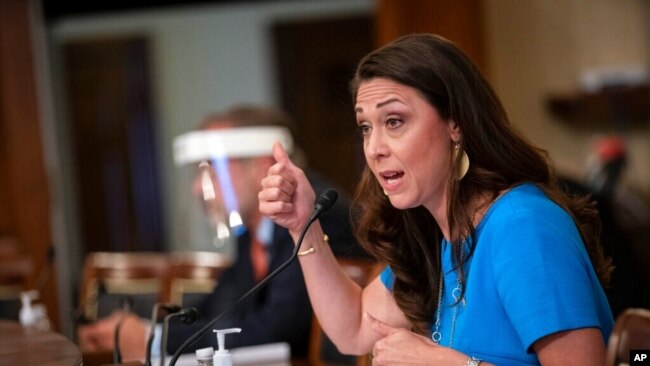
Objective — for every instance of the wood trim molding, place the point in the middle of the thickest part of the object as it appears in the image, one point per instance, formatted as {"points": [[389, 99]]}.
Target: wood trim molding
{"points": [[25, 184], [460, 21]]}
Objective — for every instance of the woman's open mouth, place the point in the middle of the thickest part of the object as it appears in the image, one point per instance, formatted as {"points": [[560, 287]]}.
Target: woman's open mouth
{"points": [[391, 177]]}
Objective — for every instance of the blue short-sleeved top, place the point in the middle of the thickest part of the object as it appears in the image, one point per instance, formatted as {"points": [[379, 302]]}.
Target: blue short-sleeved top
{"points": [[530, 276]]}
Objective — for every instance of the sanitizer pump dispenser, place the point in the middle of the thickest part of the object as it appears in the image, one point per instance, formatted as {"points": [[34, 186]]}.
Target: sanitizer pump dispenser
{"points": [[222, 356], [33, 315]]}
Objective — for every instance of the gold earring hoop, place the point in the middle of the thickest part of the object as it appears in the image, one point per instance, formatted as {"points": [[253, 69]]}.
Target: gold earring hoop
{"points": [[463, 165]]}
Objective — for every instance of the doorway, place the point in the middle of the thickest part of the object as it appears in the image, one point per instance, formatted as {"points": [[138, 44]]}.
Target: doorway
{"points": [[113, 145]]}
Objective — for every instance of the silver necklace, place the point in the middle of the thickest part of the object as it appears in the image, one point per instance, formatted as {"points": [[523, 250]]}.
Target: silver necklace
{"points": [[436, 336]]}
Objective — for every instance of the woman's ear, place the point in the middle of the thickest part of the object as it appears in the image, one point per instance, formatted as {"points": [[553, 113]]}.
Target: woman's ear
{"points": [[454, 130]]}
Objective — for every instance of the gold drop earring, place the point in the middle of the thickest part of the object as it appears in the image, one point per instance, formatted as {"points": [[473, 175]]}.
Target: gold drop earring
{"points": [[463, 166]]}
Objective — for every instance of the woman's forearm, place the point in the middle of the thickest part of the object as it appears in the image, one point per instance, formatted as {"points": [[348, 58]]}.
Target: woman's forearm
{"points": [[335, 298]]}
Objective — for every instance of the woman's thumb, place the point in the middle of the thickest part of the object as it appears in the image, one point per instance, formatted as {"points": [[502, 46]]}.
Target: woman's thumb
{"points": [[279, 154], [379, 326]]}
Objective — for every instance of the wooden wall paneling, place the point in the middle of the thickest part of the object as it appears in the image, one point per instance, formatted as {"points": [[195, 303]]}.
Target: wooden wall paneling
{"points": [[460, 21], [5, 199], [24, 189]]}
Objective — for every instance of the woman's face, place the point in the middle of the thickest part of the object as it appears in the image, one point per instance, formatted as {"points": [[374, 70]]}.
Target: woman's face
{"points": [[406, 143]]}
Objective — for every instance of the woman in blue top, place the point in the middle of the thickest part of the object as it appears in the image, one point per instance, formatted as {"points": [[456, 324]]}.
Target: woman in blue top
{"points": [[488, 261]]}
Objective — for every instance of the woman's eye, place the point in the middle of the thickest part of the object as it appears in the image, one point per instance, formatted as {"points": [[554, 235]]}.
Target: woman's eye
{"points": [[364, 129], [393, 122]]}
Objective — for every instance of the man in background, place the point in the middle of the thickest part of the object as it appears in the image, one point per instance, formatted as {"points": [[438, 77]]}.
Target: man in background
{"points": [[279, 312]]}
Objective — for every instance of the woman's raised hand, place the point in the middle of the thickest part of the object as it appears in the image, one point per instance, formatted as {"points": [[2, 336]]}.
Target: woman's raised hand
{"points": [[287, 197]]}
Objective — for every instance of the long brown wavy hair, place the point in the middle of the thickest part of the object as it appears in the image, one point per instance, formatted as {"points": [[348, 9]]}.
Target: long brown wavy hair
{"points": [[409, 240]]}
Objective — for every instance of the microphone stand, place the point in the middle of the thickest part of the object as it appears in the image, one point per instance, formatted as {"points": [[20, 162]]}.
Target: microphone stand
{"points": [[187, 316], [171, 308], [324, 202]]}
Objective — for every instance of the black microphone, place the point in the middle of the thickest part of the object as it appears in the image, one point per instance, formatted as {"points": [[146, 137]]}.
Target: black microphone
{"points": [[324, 202], [127, 304], [186, 316], [169, 308]]}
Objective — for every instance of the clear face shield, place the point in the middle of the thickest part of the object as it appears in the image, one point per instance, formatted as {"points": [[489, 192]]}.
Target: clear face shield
{"points": [[209, 201]]}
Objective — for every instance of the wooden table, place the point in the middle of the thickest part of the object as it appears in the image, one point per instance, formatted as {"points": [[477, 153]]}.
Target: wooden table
{"points": [[28, 346]]}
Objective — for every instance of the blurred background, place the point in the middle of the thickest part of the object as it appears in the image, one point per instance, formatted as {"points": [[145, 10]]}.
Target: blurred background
{"points": [[93, 94]]}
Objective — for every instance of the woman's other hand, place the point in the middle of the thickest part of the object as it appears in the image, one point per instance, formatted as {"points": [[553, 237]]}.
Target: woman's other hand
{"points": [[400, 346]]}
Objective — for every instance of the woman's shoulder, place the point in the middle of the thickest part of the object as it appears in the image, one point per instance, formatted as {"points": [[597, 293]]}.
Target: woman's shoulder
{"points": [[525, 218], [524, 204], [525, 198]]}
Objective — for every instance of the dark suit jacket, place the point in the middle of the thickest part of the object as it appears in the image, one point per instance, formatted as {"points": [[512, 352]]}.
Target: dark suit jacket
{"points": [[279, 312]]}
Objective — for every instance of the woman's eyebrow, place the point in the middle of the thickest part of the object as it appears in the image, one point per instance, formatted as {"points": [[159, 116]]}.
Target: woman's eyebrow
{"points": [[379, 105]]}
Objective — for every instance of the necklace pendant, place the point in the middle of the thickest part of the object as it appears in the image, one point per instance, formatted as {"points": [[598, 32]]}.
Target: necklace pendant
{"points": [[436, 337], [456, 293]]}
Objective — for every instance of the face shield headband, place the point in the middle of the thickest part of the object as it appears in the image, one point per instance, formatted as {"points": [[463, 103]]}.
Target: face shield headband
{"points": [[242, 142], [211, 150]]}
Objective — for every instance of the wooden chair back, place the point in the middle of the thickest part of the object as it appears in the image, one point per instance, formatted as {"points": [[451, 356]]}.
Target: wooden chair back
{"points": [[16, 271], [109, 278], [15, 274], [193, 275], [631, 331]]}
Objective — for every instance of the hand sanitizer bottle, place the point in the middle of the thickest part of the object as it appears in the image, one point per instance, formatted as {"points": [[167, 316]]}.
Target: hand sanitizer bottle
{"points": [[221, 356], [33, 315], [204, 356]]}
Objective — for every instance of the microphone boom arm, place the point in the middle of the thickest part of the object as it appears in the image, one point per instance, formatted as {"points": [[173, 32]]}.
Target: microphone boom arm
{"points": [[324, 202]]}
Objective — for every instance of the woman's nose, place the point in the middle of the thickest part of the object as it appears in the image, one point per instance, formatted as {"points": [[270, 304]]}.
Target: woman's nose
{"points": [[376, 147]]}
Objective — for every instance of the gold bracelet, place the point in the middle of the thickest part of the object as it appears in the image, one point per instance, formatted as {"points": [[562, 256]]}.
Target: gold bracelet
{"points": [[312, 249]]}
